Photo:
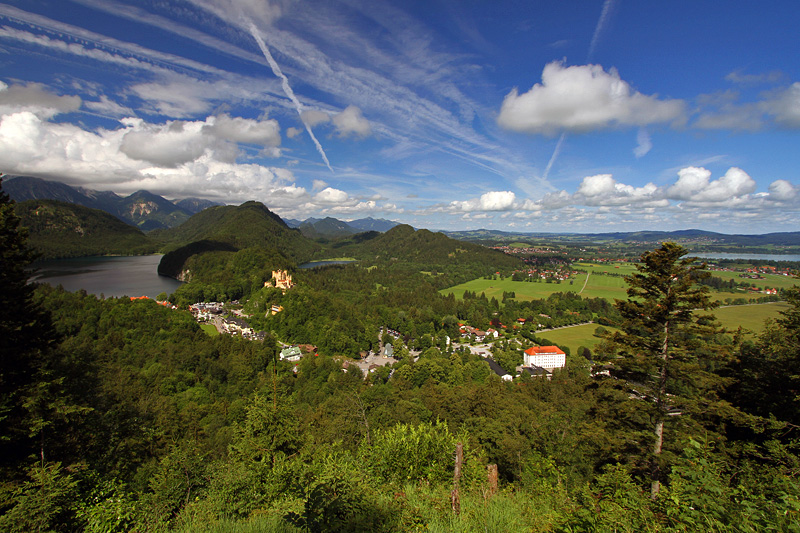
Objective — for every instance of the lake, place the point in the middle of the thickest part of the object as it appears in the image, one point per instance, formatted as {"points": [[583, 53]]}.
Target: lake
{"points": [[109, 276], [757, 257]]}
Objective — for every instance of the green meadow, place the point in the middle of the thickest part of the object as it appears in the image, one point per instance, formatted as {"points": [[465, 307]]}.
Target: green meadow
{"points": [[210, 329], [770, 280], [592, 284], [750, 317], [601, 280]]}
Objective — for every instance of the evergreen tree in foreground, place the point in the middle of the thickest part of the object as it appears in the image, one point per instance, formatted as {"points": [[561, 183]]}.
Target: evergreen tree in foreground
{"points": [[25, 331], [665, 349]]}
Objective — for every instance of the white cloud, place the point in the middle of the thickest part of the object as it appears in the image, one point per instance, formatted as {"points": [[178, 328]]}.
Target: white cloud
{"points": [[166, 145], [782, 190], [175, 159], [691, 180], [35, 99], [329, 195], [312, 117], [351, 122], [604, 190], [695, 187], [490, 201], [293, 132], [241, 12], [583, 98], [108, 107], [784, 106], [244, 130], [318, 185], [179, 98], [753, 79]]}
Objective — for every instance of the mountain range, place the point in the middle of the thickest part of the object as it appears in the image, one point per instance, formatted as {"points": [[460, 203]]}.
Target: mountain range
{"points": [[142, 209], [148, 211]]}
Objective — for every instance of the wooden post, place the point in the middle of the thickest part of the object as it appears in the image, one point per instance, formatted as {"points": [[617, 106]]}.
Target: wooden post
{"points": [[492, 474], [456, 501]]}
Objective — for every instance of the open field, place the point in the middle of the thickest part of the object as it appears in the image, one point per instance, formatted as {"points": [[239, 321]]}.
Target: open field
{"points": [[604, 281], [210, 329], [525, 290], [770, 280], [749, 317], [573, 337]]}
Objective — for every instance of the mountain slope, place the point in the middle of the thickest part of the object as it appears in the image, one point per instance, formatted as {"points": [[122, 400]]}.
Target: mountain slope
{"points": [[195, 205], [22, 188], [326, 228], [233, 228], [249, 224], [149, 211], [373, 224], [142, 209], [404, 244], [59, 229]]}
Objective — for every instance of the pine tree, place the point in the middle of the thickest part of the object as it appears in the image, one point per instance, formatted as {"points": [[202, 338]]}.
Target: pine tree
{"points": [[25, 330], [665, 349]]}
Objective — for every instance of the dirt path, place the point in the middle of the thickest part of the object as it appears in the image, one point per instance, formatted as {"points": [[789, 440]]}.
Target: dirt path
{"points": [[585, 282]]}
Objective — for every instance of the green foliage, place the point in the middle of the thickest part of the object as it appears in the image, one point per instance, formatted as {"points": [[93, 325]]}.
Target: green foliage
{"points": [[60, 229], [330, 495], [411, 453], [108, 508], [45, 502]]}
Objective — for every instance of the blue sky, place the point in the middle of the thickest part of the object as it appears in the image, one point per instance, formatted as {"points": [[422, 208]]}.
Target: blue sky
{"points": [[557, 116]]}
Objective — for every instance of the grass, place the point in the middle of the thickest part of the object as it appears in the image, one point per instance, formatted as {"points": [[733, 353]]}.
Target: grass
{"points": [[573, 337], [210, 329], [525, 290], [749, 317], [596, 283], [770, 280]]}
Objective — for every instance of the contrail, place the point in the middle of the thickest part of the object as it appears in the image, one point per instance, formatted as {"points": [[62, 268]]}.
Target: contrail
{"points": [[555, 155], [601, 24], [288, 90]]}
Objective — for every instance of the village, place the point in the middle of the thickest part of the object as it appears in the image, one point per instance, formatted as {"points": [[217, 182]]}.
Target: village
{"points": [[538, 361]]}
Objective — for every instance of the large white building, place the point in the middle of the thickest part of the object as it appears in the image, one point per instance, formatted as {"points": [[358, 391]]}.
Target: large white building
{"points": [[548, 357]]}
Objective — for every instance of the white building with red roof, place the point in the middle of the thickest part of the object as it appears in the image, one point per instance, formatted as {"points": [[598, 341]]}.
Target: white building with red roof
{"points": [[548, 357]]}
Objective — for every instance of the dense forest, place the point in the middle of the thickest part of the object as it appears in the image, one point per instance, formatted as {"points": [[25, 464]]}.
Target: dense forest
{"points": [[123, 415]]}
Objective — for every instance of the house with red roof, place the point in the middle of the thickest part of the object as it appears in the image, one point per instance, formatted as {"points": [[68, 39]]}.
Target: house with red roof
{"points": [[547, 357]]}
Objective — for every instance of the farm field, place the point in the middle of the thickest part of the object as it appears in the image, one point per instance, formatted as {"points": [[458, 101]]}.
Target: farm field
{"points": [[525, 290], [770, 280], [605, 280], [749, 317], [573, 337]]}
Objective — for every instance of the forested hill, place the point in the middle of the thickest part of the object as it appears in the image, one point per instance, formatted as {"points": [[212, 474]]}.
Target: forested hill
{"points": [[248, 225], [60, 229], [230, 248], [426, 251]]}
